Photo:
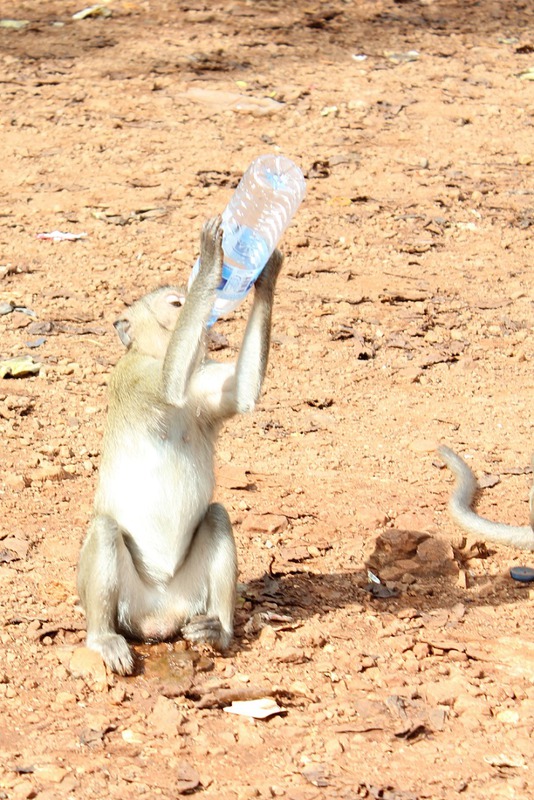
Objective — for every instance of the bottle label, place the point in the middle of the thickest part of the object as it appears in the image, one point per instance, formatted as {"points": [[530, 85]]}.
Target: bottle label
{"points": [[236, 283]]}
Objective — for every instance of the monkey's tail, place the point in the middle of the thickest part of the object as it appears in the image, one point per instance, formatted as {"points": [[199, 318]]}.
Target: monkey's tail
{"points": [[462, 513]]}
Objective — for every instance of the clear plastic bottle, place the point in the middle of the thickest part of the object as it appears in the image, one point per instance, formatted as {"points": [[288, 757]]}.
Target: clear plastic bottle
{"points": [[261, 208]]}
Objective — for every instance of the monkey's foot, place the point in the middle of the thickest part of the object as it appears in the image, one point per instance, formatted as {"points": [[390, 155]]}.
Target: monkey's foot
{"points": [[115, 651], [207, 630]]}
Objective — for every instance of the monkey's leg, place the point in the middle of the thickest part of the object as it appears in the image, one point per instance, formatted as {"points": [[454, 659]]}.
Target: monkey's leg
{"points": [[212, 565], [99, 579]]}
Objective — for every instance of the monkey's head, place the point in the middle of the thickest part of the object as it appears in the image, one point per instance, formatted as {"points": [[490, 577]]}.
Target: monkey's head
{"points": [[147, 325]]}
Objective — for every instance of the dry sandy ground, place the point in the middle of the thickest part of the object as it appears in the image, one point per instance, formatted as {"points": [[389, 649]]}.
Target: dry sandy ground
{"points": [[404, 317]]}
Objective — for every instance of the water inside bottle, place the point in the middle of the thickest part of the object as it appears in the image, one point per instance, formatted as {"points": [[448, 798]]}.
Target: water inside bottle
{"points": [[245, 248], [245, 255]]}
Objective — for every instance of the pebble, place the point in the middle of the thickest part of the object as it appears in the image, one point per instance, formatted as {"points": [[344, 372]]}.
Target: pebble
{"points": [[509, 716], [437, 554], [17, 482], [132, 736], [65, 699], [117, 695], [423, 445], [421, 650], [370, 517], [165, 718], [264, 523], [267, 637], [50, 472], [89, 666], [50, 773], [445, 692]]}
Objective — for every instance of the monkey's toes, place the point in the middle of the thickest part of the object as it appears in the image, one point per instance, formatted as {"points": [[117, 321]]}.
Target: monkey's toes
{"points": [[206, 630], [115, 651]]}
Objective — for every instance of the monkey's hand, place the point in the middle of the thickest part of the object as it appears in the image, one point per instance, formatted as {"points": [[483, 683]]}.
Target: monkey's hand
{"points": [[268, 277], [211, 251], [115, 651]]}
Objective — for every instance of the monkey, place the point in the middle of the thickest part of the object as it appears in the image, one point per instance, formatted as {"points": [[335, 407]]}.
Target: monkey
{"points": [[159, 557], [461, 501]]}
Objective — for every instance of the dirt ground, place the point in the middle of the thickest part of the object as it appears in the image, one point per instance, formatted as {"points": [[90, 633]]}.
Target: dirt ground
{"points": [[404, 318]]}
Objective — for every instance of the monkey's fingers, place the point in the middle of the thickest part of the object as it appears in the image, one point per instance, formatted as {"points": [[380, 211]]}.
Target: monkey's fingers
{"points": [[269, 275], [211, 252], [206, 630], [115, 651]]}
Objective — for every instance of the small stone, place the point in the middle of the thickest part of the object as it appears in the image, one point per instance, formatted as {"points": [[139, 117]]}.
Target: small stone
{"points": [[65, 698], [117, 695], [267, 637], [421, 650], [17, 482], [50, 773], [50, 472], [437, 555], [89, 666], [509, 716], [423, 445], [132, 736], [264, 523], [165, 717], [445, 692], [410, 374], [370, 517]]}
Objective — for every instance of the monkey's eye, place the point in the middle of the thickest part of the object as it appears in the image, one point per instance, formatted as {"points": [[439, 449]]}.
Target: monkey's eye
{"points": [[176, 300]]}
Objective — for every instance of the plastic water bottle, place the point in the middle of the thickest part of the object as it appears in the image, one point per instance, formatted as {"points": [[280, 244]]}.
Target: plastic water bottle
{"points": [[261, 208]]}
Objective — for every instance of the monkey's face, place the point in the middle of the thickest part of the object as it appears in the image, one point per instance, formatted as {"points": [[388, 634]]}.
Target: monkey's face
{"points": [[148, 324]]}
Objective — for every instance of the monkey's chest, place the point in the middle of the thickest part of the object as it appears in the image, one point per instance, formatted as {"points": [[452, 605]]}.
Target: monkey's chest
{"points": [[158, 494]]}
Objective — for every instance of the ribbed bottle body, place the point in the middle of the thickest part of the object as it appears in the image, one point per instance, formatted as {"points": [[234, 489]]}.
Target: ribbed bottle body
{"points": [[254, 220]]}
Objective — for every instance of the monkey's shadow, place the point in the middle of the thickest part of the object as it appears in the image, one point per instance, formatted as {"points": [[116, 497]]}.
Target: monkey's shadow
{"points": [[298, 593]]}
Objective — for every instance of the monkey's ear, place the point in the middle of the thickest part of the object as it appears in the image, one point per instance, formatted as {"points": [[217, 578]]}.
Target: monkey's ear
{"points": [[122, 326]]}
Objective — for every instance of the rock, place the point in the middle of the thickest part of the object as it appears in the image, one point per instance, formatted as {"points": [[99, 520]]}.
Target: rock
{"points": [[509, 716], [17, 482], [117, 695], [23, 789], [267, 637], [65, 699], [165, 717], [18, 546], [399, 544], [415, 521], [187, 778], [370, 517], [49, 472], [50, 773], [264, 523], [423, 445], [89, 666], [513, 654], [444, 692], [437, 556]]}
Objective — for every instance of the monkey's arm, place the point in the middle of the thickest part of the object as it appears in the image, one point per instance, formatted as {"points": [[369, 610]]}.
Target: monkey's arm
{"points": [[254, 354], [222, 390], [462, 513], [187, 343]]}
